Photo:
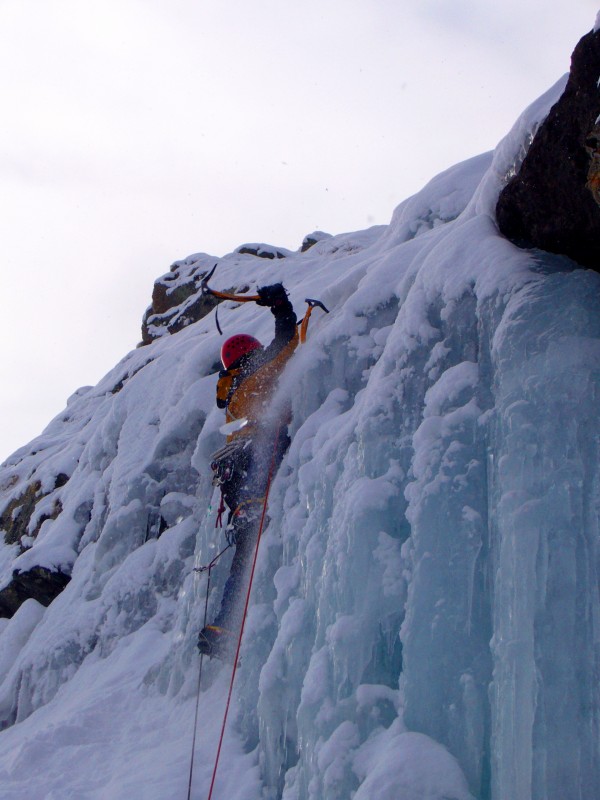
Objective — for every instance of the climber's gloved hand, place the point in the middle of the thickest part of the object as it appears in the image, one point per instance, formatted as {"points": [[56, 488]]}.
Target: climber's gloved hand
{"points": [[273, 295]]}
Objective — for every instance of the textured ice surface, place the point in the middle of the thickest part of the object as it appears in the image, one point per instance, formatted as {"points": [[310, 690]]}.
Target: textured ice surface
{"points": [[424, 623]]}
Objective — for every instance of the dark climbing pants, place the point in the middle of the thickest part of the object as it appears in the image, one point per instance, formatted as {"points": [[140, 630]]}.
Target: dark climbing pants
{"points": [[244, 493]]}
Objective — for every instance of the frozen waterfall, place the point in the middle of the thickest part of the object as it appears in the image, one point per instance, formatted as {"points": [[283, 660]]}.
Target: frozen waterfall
{"points": [[424, 622]]}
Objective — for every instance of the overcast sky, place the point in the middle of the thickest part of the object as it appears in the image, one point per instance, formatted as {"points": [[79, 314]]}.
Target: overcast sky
{"points": [[136, 132]]}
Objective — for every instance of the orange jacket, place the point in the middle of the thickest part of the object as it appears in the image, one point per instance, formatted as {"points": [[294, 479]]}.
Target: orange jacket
{"points": [[245, 389]]}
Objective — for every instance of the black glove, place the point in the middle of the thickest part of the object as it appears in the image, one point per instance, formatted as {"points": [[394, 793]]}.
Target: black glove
{"points": [[273, 295]]}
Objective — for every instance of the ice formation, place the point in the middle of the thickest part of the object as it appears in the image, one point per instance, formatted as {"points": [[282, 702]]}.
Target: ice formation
{"points": [[424, 622]]}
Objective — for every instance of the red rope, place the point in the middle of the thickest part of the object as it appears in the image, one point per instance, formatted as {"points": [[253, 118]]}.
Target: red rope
{"points": [[221, 510], [239, 644]]}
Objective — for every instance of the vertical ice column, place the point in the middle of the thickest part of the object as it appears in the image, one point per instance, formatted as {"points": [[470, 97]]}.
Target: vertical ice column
{"points": [[447, 667], [546, 698]]}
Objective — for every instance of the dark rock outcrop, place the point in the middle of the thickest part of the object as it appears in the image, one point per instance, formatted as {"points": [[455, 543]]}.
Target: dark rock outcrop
{"points": [[21, 521], [261, 251], [178, 301], [38, 583], [177, 317], [311, 239], [553, 202], [15, 519], [177, 298]]}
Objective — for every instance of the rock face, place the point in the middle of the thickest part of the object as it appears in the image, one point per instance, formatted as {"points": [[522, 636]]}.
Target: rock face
{"points": [[553, 202], [21, 521], [40, 583], [311, 239], [262, 251], [15, 519], [176, 300]]}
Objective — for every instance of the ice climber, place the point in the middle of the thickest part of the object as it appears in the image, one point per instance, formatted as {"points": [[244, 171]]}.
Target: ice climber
{"points": [[254, 448]]}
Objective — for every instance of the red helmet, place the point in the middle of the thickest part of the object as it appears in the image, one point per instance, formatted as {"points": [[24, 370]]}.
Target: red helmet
{"points": [[237, 346]]}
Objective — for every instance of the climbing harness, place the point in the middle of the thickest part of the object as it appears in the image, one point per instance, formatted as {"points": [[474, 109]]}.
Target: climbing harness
{"points": [[224, 461]]}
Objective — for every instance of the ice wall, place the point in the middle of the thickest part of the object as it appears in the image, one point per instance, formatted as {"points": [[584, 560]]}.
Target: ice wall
{"points": [[424, 622], [545, 525]]}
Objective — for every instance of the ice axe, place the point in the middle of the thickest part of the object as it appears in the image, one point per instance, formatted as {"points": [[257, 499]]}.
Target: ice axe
{"points": [[205, 279], [247, 298], [240, 298], [312, 304]]}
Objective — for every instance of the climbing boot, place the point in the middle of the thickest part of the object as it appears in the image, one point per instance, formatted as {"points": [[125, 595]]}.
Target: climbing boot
{"points": [[215, 642]]}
